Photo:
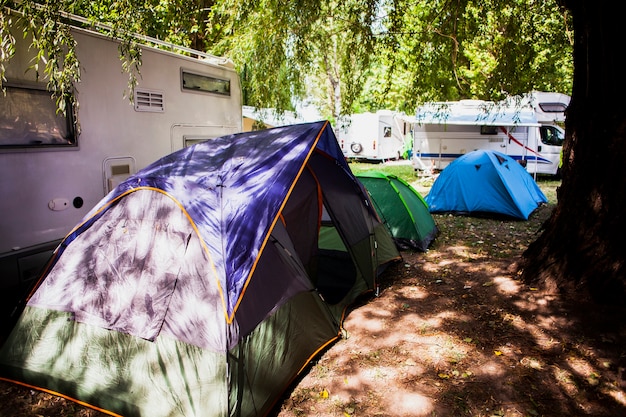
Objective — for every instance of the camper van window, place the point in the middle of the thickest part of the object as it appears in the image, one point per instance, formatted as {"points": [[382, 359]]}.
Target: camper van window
{"points": [[387, 131], [488, 130], [552, 107], [198, 82], [192, 140], [29, 119], [550, 135]]}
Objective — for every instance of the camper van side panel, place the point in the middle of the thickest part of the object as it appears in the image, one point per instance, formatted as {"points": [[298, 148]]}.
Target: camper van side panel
{"points": [[529, 134], [435, 146], [48, 190]]}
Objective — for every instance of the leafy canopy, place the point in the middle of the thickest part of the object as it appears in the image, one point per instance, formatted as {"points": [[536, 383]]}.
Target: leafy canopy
{"points": [[344, 56]]}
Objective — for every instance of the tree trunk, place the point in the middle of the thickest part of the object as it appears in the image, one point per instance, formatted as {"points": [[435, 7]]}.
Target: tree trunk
{"points": [[581, 250]]}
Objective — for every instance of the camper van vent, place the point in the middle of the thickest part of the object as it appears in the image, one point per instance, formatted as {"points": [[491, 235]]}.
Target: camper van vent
{"points": [[149, 100]]}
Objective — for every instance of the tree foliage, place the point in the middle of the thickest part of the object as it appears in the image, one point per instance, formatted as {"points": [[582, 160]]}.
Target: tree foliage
{"points": [[345, 56], [448, 50], [342, 45], [56, 60]]}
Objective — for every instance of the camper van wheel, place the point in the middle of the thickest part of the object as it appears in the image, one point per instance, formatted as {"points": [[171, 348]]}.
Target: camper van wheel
{"points": [[356, 147]]}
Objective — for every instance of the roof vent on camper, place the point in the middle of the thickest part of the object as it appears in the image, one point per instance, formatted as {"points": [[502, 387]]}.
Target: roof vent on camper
{"points": [[149, 100]]}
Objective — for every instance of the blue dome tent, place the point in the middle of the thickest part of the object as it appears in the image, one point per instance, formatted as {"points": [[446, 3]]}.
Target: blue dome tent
{"points": [[485, 182]]}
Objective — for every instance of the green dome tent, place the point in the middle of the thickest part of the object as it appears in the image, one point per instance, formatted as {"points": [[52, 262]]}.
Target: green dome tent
{"points": [[205, 283], [401, 208]]}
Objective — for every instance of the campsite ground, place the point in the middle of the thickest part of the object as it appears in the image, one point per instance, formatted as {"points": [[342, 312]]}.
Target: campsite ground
{"points": [[452, 333]]}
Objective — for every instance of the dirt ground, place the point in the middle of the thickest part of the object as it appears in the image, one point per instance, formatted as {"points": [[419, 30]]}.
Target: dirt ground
{"points": [[452, 333]]}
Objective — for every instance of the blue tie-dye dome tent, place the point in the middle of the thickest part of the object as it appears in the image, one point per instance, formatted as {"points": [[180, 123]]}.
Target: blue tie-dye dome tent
{"points": [[205, 283], [485, 182]]}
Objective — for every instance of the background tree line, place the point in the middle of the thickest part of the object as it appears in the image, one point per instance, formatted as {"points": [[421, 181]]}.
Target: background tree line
{"points": [[343, 56]]}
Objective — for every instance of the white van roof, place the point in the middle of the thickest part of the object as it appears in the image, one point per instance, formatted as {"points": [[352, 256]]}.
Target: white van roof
{"points": [[475, 112]]}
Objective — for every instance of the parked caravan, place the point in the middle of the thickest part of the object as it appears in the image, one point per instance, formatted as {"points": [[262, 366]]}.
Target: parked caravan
{"points": [[55, 167], [375, 137], [528, 130]]}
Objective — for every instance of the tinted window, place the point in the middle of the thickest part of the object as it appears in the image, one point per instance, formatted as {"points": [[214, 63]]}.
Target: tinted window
{"points": [[29, 118], [205, 83], [550, 135]]}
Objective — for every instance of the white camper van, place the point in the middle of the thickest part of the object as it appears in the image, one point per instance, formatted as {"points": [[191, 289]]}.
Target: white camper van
{"points": [[374, 137], [529, 131], [53, 171]]}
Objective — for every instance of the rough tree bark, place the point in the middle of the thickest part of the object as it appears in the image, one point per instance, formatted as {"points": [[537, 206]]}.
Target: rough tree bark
{"points": [[581, 250]]}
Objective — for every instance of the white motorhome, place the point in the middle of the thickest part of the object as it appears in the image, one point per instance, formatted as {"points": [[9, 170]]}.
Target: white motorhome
{"points": [[53, 171], [375, 137], [529, 130]]}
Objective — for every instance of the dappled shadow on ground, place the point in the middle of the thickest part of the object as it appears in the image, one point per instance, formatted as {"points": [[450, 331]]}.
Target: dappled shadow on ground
{"points": [[454, 333]]}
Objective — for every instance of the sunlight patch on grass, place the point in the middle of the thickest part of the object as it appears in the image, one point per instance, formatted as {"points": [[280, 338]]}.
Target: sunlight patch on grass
{"points": [[564, 380], [617, 394], [491, 369], [410, 403], [404, 171], [506, 285], [532, 363]]}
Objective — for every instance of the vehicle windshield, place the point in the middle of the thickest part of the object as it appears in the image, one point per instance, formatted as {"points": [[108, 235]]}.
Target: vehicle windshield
{"points": [[551, 135]]}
